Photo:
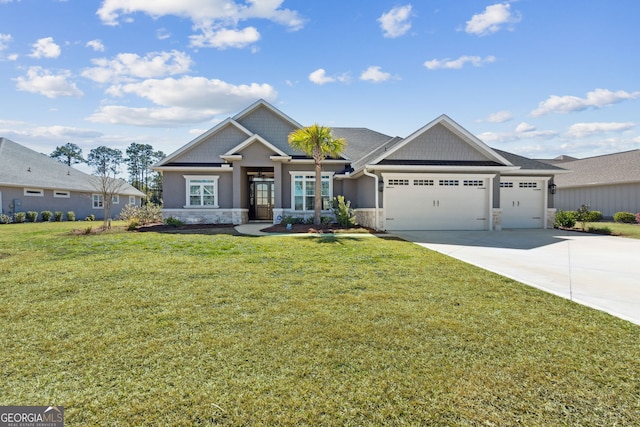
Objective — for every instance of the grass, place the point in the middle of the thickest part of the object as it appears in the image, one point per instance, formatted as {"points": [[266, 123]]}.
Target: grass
{"points": [[145, 329], [615, 228]]}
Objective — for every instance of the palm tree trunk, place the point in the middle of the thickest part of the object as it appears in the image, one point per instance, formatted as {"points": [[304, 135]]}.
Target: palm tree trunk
{"points": [[318, 197]]}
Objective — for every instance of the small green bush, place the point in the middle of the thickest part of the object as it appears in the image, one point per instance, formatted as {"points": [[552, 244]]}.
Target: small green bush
{"points": [[19, 217], [5, 219], [625, 217], [32, 216], [57, 216], [595, 216], [46, 216], [71, 216], [565, 219], [173, 221], [90, 218], [326, 220], [345, 217], [147, 214], [292, 220]]}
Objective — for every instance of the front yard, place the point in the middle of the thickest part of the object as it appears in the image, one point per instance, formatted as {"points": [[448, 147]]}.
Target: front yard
{"points": [[217, 329]]}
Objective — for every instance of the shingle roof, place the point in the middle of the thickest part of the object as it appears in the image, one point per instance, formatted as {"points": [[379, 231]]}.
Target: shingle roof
{"points": [[527, 163], [23, 167], [600, 170]]}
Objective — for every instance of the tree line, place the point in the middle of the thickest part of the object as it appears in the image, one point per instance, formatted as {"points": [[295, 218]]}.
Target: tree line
{"points": [[107, 161]]}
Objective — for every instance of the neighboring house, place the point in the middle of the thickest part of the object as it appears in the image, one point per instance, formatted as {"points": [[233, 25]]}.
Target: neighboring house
{"points": [[439, 178], [609, 183], [31, 181]]}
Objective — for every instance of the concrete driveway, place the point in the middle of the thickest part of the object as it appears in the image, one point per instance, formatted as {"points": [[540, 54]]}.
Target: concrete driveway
{"points": [[602, 272]]}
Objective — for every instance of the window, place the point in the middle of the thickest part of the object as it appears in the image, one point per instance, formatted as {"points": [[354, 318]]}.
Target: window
{"points": [[202, 191], [61, 193], [303, 191], [506, 185], [421, 182], [98, 201], [115, 199], [448, 182], [528, 185], [132, 200], [473, 183], [33, 192]]}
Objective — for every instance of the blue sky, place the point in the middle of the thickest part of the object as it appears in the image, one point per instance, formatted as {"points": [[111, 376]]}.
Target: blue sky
{"points": [[539, 78]]}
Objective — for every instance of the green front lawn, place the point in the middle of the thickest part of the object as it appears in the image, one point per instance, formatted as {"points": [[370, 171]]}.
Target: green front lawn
{"points": [[151, 329]]}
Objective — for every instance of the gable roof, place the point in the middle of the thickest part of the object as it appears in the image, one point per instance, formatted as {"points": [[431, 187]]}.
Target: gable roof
{"points": [[22, 167], [247, 142], [529, 165], [617, 168]]}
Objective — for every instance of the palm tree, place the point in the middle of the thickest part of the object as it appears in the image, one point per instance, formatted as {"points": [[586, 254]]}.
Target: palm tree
{"points": [[317, 142]]}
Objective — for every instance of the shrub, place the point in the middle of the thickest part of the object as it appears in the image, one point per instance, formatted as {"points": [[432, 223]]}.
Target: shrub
{"points": [[326, 220], [565, 219], [19, 217], [345, 217], [599, 230], [292, 220], [638, 218], [90, 218], [625, 217], [173, 221], [32, 216], [5, 219], [146, 214], [582, 215], [595, 216], [46, 215], [57, 216], [71, 216]]}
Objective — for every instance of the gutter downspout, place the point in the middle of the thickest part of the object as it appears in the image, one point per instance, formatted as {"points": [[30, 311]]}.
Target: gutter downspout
{"points": [[374, 176]]}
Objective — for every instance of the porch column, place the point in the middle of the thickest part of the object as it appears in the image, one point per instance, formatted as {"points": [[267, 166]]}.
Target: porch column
{"points": [[237, 186], [277, 178]]}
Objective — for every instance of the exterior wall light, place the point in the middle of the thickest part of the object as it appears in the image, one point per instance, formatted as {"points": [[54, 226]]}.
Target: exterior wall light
{"points": [[552, 188]]}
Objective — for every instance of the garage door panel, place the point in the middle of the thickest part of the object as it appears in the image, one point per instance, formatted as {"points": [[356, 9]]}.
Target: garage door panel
{"points": [[522, 202], [441, 203]]}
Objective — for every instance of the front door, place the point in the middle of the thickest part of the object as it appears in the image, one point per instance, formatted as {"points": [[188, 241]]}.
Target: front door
{"points": [[262, 197]]}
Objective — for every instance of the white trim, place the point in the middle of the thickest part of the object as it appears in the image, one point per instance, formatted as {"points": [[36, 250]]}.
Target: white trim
{"points": [[132, 200], [100, 201], [64, 194], [442, 169], [115, 199], [247, 142], [189, 178], [223, 168], [33, 192]]}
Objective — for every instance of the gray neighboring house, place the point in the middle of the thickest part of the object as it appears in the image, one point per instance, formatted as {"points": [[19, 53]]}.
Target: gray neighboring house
{"points": [[441, 177], [32, 181], [608, 183]]}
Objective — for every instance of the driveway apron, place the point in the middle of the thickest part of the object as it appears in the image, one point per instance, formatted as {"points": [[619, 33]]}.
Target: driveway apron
{"points": [[602, 272]]}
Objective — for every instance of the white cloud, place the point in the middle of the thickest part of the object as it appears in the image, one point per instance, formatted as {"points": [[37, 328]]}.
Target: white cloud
{"points": [[492, 19], [525, 127], [163, 34], [225, 38], [4, 41], [126, 66], [45, 48], [320, 77], [216, 19], [184, 100], [447, 63], [498, 117], [96, 45], [395, 22], [374, 74], [596, 99], [41, 81], [581, 130]]}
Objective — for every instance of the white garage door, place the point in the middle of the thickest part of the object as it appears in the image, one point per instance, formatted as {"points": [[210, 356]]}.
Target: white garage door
{"points": [[523, 202], [436, 202]]}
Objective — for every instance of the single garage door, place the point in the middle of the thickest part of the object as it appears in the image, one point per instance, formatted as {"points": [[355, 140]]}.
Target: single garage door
{"points": [[523, 202], [436, 202]]}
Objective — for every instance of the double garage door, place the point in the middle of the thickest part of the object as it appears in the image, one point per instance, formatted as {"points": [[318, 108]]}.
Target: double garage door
{"points": [[437, 202], [461, 202]]}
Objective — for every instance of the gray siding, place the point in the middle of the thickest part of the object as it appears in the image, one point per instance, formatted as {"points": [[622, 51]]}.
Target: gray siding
{"points": [[174, 188], [210, 149], [80, 203], [269, 126], [438, 143], [608, 199]]}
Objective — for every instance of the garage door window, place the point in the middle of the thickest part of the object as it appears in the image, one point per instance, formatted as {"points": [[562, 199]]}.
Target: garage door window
{"points": [[397, 182], [421, 182], [473, 183], [506, 185], [528, 185], [449, 182]]}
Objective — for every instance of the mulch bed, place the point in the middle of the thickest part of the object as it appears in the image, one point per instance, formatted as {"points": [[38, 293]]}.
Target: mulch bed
{"points": [[317, 229]]}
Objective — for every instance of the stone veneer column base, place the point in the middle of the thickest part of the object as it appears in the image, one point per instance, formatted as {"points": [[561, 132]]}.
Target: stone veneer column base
{"points": [[497, 219], [208, 216]]}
